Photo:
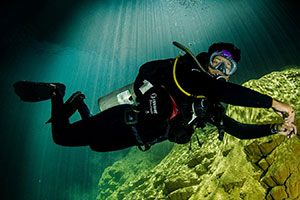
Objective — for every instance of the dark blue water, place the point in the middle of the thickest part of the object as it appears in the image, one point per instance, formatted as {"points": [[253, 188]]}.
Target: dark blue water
{"points": [[97, 47]]}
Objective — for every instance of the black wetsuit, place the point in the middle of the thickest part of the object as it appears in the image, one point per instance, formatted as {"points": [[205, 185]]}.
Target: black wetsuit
{"points": [[108, 131]]}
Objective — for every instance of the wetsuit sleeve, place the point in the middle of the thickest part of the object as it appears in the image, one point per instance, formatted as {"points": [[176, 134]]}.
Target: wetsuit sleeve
{"points": [[245, 131], [200, 83]]}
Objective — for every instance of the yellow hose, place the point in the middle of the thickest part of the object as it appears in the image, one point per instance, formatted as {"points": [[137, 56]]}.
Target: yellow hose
{"points": [[177, 84]]}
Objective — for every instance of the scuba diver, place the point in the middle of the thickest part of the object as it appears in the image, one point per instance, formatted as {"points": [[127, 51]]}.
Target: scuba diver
{"points": [[173, 96]]}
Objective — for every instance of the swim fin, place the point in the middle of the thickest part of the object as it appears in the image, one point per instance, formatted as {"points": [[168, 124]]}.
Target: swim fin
{"points": [[37, 91]]}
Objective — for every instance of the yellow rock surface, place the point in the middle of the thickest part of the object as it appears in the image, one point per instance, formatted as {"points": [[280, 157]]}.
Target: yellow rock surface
{"points": [[265, 168]]}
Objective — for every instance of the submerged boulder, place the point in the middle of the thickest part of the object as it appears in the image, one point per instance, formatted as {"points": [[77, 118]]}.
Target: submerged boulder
{"points": [[264, 168]]}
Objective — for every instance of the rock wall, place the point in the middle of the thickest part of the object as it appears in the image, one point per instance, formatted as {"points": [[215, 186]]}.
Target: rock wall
{"points": [[265, 168]]}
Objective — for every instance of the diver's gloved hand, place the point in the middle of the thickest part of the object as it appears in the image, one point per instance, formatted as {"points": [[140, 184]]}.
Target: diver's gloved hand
{"points": [[286, 129], [285, 111]]}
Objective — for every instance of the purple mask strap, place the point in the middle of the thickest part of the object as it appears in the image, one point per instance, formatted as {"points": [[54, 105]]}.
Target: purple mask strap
{"points": [[227, 54]]}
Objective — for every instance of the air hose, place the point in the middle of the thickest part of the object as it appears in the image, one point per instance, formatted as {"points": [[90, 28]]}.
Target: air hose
{"points": [[174, 70]]}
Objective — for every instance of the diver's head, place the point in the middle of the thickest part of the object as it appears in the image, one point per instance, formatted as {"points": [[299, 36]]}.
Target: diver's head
{"points": [[223, 59]]}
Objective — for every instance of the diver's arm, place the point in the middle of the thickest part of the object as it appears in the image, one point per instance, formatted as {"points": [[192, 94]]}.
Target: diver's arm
{"points": [[241, 96], [251, 131], [246, 131], [238, 95], [226, 92]]}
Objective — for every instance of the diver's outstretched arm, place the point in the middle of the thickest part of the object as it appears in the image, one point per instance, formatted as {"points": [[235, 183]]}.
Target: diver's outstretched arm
{"points": [[251, 131], [246, 131]]}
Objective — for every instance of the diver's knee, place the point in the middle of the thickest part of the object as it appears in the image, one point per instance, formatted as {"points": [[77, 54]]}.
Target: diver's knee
{"points": [[96, 148], [58, 138], [101, 148]]}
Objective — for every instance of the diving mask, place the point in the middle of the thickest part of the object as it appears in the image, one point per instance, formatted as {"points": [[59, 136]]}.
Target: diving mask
{"points": [[225, 68]]}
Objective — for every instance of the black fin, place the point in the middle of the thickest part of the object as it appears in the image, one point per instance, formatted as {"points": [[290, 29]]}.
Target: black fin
{"points": [[37, 91]]}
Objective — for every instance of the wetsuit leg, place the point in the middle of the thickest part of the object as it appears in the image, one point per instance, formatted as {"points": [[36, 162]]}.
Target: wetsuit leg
{"points": [[105, 131], [109, 131], [62, 131]]}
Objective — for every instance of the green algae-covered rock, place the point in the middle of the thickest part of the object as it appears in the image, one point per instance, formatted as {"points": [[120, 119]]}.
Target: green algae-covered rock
{"points": [[125, 172], [265, 168]]}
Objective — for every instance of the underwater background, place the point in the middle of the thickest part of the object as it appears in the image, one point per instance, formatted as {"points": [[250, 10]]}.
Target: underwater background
{"points": [[97, 47]]}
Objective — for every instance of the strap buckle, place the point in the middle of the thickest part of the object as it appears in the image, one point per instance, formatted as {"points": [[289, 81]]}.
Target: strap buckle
{"points": [[131, 116]]}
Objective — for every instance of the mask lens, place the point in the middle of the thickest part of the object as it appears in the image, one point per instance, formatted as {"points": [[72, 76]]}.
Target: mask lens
{"points": [[222, 66]]}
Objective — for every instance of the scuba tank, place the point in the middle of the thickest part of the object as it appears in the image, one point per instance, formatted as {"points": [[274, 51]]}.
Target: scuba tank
{"points": [[124, 95]]}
